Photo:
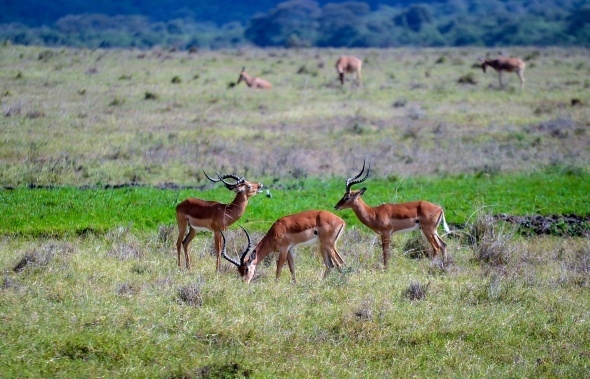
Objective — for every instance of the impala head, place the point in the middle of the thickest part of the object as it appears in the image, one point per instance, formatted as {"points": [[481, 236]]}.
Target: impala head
{"points": [[244, 265], [350, 196], [240, 185]]}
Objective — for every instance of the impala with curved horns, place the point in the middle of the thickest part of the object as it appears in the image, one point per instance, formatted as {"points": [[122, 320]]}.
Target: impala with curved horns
{"points": [[305, 228], [253, 82], [347, 64], [388, 219], [505, 64], [201, 215]]}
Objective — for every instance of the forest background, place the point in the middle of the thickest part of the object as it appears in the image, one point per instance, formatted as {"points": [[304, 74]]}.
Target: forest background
{"points": [[193, 24]]}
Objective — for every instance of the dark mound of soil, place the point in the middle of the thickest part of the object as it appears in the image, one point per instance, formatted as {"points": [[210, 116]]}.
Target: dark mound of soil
{"points": [[557, 225]]}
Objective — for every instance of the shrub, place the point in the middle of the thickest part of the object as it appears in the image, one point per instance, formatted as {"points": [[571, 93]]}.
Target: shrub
{"points": [[416, 247], [489, 239], [415, 291], [192, 293]]}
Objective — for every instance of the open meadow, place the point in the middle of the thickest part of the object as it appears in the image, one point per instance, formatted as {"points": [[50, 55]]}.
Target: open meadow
{"points": [[97, 147]]}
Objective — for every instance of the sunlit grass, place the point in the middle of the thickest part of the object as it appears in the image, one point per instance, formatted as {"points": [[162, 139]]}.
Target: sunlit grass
{"points": [[89, 108]]}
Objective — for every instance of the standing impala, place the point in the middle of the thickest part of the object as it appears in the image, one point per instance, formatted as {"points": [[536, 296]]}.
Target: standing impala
{"points": [[505, 64], [305, 228], [347, 64], [388, 219], [202, 215], [253, 82]]}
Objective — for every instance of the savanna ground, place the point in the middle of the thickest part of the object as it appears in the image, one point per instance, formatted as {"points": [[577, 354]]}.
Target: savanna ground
{"points": [[115, 304]]}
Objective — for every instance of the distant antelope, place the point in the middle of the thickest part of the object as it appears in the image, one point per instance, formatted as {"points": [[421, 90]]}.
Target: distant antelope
{"points": [[347, 64], [505, 64], [253, 82]]}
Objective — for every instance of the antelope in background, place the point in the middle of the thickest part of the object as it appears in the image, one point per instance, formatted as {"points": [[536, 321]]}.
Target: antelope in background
{"points": [[347, 64], [201, 215], [253, 82], [305, 228], [505, 64], [388, 219]]}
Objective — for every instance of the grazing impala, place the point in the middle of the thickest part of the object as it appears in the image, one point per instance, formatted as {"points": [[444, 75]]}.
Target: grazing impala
{"points": [[347, 64], [253, 82], [202, 215], [305, 228], [505, 64], [388, 219]]}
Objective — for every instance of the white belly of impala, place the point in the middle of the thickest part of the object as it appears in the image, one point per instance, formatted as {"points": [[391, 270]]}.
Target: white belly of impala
{"points": [[414, 228], [312, 241], [200, 229]]}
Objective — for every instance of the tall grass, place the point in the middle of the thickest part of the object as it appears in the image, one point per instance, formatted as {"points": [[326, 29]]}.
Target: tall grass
{"points": [[79, 310]]}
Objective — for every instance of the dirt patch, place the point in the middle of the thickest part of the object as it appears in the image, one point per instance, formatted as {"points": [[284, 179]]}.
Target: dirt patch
{"points": [[557, 225]]}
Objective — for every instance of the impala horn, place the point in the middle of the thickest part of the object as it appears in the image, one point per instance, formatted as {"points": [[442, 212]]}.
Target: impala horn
{"points": [[355, 179], [239, 180], [223, 253]]}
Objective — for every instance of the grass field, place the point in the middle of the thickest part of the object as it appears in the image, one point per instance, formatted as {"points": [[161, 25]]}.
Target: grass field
{"points": [[98, 146]]}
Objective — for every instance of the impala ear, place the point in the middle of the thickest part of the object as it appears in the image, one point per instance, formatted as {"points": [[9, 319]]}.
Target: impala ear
{"points": [[252, 257], [362, 191]]}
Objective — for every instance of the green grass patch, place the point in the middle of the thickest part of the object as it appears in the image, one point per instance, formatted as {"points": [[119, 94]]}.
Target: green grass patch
{"points": [[74, 211]]}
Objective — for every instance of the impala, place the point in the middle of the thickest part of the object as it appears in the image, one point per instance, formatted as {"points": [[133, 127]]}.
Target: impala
{"points": [[201, 215], [388, 219], [253, 82], [347, 64], [305, 228], [505, 64]]}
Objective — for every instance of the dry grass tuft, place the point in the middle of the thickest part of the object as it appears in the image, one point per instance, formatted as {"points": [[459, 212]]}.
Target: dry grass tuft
{"points": [[490, 240], [575, 266], [192, 293], [42, 257], [416, 247], [124, 245], [416, 291]]}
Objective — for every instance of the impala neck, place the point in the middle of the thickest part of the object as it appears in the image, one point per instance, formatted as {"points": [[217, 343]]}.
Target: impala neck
{"points": [[237, 207], [264, 248], [364, 212], [249, 80]]}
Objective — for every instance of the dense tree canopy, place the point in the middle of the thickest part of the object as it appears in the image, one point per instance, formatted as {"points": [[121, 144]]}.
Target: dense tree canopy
{"points": [[295, 23]]}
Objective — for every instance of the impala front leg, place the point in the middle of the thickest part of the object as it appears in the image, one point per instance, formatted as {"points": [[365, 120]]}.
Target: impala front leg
{"points": [[291, 263], [283, 255], [385, 242], [218, 242]]}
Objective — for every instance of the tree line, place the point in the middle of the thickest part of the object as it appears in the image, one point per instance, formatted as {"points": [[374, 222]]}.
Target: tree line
{"points": [[308, 23]]}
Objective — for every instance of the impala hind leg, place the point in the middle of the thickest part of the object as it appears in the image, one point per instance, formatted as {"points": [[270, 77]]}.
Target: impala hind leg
{"points": [[520, 74], [189, 237], [183, 241], [443, 247], [437, 245], [182, 225], [328, 260]]}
